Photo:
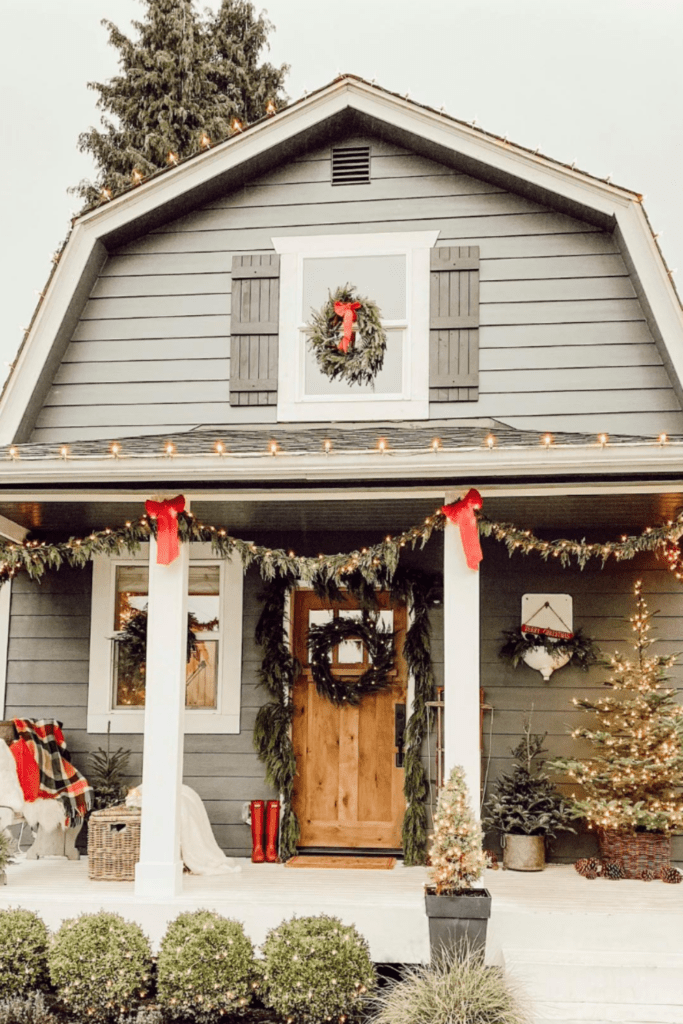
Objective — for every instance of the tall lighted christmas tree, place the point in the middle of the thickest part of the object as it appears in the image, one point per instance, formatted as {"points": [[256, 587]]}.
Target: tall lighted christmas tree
{"points": [[633, 781]]}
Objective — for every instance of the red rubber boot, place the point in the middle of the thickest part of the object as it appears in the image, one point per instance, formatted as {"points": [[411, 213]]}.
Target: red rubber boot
{"points": [[257, 820], [272, 826]]}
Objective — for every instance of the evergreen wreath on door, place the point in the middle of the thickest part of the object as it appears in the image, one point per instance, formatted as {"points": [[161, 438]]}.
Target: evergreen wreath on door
{"points": [[347, 338], [378, 643]]}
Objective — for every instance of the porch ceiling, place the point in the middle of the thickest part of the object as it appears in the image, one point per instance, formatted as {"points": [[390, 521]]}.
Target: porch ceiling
{"points": [[375, 511]]}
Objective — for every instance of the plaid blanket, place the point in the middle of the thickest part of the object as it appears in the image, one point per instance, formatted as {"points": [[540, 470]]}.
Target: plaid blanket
{"points": [[58, 777]]}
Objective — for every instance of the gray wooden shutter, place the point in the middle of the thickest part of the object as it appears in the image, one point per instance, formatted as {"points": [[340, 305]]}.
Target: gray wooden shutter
{"points": [[454, 324], [254, 329]]}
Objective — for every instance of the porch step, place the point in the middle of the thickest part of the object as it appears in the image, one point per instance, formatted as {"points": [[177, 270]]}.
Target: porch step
{"points": [[600, 986]]}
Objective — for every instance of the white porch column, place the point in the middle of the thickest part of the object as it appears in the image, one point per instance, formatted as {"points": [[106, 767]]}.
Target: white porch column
{"points": [[160, 870], [461, 661]]}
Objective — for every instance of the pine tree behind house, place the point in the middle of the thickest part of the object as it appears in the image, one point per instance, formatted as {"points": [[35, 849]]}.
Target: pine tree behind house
{"points": [[184, 77], [633, 781]]}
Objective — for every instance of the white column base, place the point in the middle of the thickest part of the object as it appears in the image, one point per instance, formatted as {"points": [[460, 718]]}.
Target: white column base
{"points": [[161, 880]]}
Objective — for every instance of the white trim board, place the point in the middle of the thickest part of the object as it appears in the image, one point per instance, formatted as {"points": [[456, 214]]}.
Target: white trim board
{"points": [[5, 605], [88, 240]]}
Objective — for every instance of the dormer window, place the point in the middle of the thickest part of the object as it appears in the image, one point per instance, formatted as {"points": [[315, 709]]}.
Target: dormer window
{"points": [[392, 270]]}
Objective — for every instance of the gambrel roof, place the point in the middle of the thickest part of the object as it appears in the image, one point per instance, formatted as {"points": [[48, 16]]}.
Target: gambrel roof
{"points": [[347, 104]]}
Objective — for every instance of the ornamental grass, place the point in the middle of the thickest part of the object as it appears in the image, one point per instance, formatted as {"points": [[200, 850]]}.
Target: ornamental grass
{"points": [[456, 988]]}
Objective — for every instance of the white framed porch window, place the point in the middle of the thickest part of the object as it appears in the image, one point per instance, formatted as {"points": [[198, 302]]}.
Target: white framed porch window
{"points": [[116, 691], [393, 270]]}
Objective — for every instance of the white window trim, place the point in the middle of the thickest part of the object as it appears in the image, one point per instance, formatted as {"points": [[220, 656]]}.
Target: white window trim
{"points": [[225, 718], [414, 402], [5, 603]]}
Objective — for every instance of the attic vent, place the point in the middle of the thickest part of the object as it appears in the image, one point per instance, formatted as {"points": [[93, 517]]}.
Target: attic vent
{"points": [[351, 166]]}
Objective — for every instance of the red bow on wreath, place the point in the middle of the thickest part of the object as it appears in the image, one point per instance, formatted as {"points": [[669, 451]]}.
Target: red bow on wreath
{"points": [[347, 311], [166, 514], [462, 514]]}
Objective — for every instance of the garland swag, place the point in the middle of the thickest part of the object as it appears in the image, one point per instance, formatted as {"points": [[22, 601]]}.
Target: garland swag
{"points": [[279, 671]]}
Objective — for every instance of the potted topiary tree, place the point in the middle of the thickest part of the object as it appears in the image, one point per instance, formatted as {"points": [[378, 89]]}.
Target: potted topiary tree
{"points": [[525, 808], [458, 913]]}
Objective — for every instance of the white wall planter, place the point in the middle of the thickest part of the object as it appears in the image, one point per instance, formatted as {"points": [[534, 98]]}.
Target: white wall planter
{"points": [[545, 660]]}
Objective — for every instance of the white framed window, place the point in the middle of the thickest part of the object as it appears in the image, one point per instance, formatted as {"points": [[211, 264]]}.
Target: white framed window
{"points": [[393, 271], [116, 692]]}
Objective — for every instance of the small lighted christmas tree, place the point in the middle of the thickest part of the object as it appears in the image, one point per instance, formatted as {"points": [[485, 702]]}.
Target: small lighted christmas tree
{"points": [[456, 852], [633, 781]]}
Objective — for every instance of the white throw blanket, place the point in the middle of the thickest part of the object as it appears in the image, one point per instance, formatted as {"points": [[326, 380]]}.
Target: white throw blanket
{"points": [[198, 847]]}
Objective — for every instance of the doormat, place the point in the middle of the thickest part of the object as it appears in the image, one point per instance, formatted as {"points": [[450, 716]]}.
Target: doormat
{"points": [[340, 861]]}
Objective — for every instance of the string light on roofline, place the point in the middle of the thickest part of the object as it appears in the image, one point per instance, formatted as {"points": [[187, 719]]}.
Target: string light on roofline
{"points": [[137, 176], [270, 108], [273, 447], [547, 440], [382, 446], [169, 449], [236, 126], [436, 445], [327, 446], [172, 158], [603, 439], [490, 441], [205, 141], [115, 449]]}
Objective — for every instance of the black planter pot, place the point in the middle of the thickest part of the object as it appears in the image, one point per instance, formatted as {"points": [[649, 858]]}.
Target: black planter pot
{"points": [[458, 921]]}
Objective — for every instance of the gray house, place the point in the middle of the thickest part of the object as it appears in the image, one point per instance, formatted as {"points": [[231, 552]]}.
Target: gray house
{"points": [[534, 352]]}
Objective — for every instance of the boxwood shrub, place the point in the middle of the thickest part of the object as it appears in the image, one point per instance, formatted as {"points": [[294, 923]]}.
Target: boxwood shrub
{"points": [[206, 967], [100, 966], [316, 969], [24, 941]]}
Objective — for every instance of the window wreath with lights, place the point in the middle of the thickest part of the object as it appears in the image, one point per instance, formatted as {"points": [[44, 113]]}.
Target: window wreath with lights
{"points": [[378, 643], [347, 338]]}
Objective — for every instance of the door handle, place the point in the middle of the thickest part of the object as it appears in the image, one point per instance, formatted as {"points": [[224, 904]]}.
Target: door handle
{"points": [[399, 732]]}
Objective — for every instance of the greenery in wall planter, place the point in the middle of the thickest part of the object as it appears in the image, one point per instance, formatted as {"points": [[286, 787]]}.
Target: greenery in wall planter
{"points": [[525, 807], [579, 650]]}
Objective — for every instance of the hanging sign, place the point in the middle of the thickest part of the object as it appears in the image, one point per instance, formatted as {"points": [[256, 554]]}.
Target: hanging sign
{"points": [[548, 615]]}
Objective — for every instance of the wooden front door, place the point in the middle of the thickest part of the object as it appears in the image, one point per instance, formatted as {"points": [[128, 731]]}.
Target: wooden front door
{"points": [[348, 789]]}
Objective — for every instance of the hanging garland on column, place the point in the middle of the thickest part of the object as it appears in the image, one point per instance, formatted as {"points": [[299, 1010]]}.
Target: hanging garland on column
{"points": [[279, 671], [272, 739]]}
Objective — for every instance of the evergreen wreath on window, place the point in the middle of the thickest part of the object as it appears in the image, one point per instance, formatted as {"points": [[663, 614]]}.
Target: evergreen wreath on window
{"points": [[347, 338], [379, 645]]}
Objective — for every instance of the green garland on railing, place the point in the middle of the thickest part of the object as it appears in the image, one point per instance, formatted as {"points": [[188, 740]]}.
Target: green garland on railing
{"points": [[272, 739], [278, 674]]}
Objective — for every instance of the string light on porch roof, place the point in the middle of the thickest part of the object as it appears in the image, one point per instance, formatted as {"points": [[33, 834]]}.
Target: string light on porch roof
{"points": [[219, 448]]}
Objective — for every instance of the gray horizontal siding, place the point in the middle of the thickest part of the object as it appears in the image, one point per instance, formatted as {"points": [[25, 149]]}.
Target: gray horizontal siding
{"points": [[151, 351], [602, 601], [47, 677]]}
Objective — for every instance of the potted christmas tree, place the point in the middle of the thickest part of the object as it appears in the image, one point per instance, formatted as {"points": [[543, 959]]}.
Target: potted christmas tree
{"points": [[632, 783], [525, 808], [458, 913]]}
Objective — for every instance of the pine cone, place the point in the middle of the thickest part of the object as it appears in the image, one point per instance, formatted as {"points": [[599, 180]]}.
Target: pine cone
{"points": [[647, 875], [671, 875], [581, 865], [593, 864], [613, 870], [590, 874]]}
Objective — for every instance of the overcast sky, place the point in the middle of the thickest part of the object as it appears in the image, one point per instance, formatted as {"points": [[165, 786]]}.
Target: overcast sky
{"points": [[595, 81]]}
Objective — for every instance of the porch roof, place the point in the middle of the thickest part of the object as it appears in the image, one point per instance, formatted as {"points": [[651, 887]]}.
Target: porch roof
{"points": [[443, 453]]}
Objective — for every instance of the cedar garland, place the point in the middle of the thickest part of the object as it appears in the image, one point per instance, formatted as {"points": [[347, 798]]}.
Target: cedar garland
{"points": [[272, 740]]}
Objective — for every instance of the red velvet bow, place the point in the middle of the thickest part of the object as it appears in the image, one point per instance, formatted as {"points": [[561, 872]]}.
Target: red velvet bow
{"points": [[462, 514], [166, 514], [347, 311]]}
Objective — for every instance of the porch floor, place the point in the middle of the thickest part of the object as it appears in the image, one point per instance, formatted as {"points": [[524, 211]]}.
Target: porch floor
{"points": [[555, 909]]}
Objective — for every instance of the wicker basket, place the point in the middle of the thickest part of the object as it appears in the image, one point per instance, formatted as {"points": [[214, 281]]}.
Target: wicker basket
{"points": [[636, 852], [113, 844]]}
